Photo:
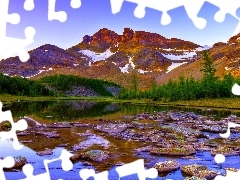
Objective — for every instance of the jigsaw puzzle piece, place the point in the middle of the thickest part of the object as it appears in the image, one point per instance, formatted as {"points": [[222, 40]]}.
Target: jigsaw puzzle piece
{"points": [[6, 18], [75, 4], [192, 9], [60, 15], [229, 175], [137, 167], [28, 171], [53, 15], [230, 125], [13, 46], [18, 126], [29, 5], [66, 166], [164, 7], [116, 6], [219, 158], [87, 173], [59, 173], [236, 89], [5, 163], [226, 7]]}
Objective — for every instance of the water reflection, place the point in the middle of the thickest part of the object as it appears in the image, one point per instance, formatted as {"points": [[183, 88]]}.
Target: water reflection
{"points": [[74, 110], [62, 110], [121, 151]]}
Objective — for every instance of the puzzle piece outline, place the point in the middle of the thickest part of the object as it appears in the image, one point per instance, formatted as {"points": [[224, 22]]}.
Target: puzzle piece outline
{"points": [[220, 158], [192, 9], [139, 12], [7, 162], [20, 125], [12, 46], [67, 165], [136, 167]]}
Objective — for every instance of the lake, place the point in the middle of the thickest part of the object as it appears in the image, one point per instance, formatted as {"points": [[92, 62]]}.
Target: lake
{"points": [[86, 133]]}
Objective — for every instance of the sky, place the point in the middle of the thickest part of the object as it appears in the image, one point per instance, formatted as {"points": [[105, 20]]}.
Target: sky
{"points": [[96, 14]]}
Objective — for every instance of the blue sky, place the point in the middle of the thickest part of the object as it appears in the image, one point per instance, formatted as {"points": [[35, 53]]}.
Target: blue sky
{"points": [[96, 14]]}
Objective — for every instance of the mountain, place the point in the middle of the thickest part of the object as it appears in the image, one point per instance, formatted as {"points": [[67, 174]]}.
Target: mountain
{"points": [[225, 58], [107, 55]]}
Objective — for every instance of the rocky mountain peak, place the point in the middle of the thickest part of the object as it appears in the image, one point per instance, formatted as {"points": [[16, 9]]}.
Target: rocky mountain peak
{"points": [[234, 39], [127, 34], [105, 36]]}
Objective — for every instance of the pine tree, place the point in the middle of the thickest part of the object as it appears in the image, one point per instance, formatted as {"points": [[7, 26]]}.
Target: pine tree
{"points": [[208, 81], [134, 85], [208, 68]]}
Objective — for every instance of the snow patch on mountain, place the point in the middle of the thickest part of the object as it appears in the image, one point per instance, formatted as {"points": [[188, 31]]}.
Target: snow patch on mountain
{"points": [[142, 71], [174, 65], [126, 67], [201, 48], [178, 50], [96, 56], [186, 55]]}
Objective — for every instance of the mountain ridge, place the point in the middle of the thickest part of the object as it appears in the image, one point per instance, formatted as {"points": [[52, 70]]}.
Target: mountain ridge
{"points": [[113, 57]]}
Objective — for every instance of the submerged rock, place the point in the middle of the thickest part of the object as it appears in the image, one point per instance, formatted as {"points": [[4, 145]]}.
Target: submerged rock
{"points": [[95, 155], [195, 178], [45, 152], [173, 151], [23, 133], [75, 157], [111, 128], [225, 151], [144, 149], [91, 141], [167, 166], [18, 164], [62, 145], [200, 171], [85, 163], [59, 125]]}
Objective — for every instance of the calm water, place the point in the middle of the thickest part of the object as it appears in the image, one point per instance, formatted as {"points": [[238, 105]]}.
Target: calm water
{"points": [[86, 111]]}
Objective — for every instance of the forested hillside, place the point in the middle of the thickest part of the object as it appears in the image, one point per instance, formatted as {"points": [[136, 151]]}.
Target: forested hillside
{"points": [[57, 85], [70, 83], [210, 86], [22, 87]]}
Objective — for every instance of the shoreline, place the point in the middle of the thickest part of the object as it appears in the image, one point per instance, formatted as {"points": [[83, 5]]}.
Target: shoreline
{"points": [[231, 104]]}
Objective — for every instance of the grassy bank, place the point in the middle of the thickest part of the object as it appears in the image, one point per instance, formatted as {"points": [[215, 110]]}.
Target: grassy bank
{"points": [[221, 103], [12, 98]]}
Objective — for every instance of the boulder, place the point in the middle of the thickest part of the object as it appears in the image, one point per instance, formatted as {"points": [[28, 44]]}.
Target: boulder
{"points": [[200, 171], [95, 155], [167, 166]]}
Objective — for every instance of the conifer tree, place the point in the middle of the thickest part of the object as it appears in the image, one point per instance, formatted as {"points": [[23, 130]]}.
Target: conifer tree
{"points": [[209, 75]]}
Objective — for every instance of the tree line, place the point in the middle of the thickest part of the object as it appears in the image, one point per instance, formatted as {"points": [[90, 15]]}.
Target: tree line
{"points": [[49, 85], [209, 86], [66, 82], [22, 87]]}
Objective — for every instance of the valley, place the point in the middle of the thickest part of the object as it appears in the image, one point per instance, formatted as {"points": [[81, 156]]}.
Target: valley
{"points": [[112, 99]]}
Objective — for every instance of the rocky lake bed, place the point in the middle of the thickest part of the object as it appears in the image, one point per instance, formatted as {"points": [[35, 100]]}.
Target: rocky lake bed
{"points": [[179, 144]]}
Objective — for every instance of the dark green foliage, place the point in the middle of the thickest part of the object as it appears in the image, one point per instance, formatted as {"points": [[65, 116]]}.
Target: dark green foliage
{"points": [[22, 87], [66, 82], [189, 88], [208, 68]]}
